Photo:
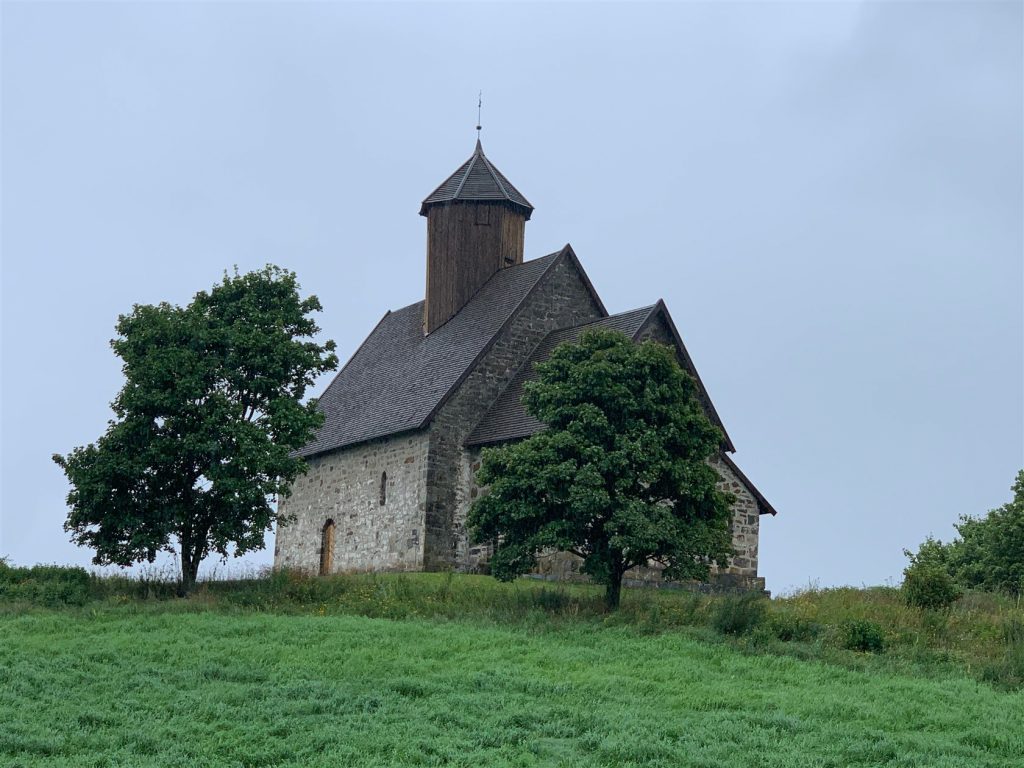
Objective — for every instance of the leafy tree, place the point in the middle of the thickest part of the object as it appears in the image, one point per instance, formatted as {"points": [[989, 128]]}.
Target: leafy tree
{"points": [[205, 426], [620, 476], [989, 553], [928, 584]]}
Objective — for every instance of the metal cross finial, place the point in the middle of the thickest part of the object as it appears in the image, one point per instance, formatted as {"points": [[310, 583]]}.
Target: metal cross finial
{"points": [[479, 108]]}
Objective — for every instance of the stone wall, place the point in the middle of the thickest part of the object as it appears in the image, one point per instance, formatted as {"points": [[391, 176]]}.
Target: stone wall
{"points": [[470, 557], [739, 575], [744, 509], [559, 301], [344, 486], [745, 523]]}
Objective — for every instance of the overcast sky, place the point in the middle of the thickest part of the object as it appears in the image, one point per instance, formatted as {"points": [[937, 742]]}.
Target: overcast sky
{"points": [[828, 196]]}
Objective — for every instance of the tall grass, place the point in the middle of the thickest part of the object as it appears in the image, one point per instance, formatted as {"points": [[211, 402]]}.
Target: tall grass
{"points": [[981, 635], [155, 683]]}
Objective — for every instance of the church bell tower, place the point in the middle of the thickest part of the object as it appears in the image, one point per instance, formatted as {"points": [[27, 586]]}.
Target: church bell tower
{"points": [[476, 221]]}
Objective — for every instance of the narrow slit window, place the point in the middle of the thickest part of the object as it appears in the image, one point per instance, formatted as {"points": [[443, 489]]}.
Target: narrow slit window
{"points": [[383, 488]]}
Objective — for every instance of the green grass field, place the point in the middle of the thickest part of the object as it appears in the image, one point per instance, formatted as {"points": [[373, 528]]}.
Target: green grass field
{"points": [[441, 670], [206, 689]]}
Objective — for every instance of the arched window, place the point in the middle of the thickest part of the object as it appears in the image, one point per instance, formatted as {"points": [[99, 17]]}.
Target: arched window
{"points": [[383, 488], [327, 548]]}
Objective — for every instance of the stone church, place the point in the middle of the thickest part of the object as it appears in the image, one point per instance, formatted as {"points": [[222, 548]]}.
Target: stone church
{"points": [[391, 471]]}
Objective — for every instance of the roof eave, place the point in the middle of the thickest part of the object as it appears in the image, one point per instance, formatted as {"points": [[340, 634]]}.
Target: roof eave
{"points": [[527, 211], [662, 309], [487, 348], [764, 507]]}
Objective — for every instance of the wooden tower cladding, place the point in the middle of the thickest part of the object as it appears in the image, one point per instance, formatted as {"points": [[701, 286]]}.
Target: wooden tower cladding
{"points": [[466, 244], [476, 221]]}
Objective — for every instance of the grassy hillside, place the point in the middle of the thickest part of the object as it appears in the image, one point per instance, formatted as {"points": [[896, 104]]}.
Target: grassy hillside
{"points": [[435, 670]]}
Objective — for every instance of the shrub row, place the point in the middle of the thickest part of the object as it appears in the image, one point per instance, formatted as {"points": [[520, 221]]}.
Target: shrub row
{"points": [[45, 585]]}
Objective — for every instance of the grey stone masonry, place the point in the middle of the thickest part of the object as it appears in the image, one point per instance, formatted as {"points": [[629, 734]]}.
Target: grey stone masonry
{"points": [[561, 299], [399, 503], [345, 486], [745, 523], [740, 573]]}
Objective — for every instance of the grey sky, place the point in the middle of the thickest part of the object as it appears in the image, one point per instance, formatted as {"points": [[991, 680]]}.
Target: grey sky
{"points": [[828, 197]]}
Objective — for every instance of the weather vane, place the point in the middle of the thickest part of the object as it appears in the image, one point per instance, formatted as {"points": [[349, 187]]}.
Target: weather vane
{"points": [[479, 107]]}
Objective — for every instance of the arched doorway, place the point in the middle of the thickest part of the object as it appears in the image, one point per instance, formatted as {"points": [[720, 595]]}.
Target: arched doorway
{"points": [[327, 548]]}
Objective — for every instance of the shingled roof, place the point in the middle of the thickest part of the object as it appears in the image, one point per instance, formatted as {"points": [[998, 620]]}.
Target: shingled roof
{"points": [[477, 180], [507, 419], [399, 377]]}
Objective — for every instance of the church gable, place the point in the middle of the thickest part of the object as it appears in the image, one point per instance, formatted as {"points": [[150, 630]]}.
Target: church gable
{"points": [[399, 377], [508, 419], [563, 297], [660, 327]]}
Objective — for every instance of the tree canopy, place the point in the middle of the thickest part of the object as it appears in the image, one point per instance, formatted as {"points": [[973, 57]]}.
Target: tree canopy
{"points": [[206, 424], [988, 554], [619, 477]]}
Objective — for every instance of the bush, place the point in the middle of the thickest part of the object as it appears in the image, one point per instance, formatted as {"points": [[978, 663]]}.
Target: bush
{"points": [[862, 635], [789, 628], [739, 615], [989, 551], [44, 585], [926, 585]]}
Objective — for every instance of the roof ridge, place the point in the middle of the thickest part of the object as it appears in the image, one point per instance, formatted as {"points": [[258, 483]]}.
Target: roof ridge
{"points": [[469, 170], [662, 307], [506, 418], [494, 176], [490, 343], [489, 186], [649, 308], [503, 269]]}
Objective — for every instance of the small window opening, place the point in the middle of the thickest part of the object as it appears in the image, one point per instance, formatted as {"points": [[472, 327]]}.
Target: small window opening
{"points": [[327, 548], [483, 215], [383, 488]]}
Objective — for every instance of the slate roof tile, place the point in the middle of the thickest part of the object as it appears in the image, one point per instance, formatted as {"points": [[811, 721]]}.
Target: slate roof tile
{"points": [[398, 377], [507, 419], [477, 180]]}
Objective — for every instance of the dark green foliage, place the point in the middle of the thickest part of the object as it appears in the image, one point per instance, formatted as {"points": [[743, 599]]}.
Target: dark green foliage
{"points": [[862, 635], [789, 627], [205, 424], [739, 614], [989, 552], [620, 476], [929, 585], [45, 585]]}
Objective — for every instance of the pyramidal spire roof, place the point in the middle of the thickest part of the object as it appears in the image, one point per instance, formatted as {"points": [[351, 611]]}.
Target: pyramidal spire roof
{"points": [[477, 180]]}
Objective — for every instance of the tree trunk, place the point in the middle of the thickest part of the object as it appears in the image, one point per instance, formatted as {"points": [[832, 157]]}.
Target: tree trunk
{"points": [[613, 591], [189, 571]]}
